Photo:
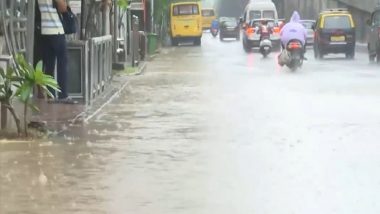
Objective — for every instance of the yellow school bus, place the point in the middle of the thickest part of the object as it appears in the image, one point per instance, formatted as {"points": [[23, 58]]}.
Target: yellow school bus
{"points": [[185, 22], [208, 15]]}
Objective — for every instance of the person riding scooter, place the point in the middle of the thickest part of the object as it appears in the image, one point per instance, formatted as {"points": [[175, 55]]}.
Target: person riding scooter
{"points": [[214, 27], [293, 30], [264, 30], [293, 41]]}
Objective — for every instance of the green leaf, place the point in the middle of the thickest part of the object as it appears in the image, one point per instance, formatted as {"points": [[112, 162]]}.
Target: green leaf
{"points": [[123, 4], [39, 66], [50, 82], [2, 73], [24, 67], [33, 107], [39, 77], [21, 72], [46, 91], [10, 71], [24, 92], [16, 79]]}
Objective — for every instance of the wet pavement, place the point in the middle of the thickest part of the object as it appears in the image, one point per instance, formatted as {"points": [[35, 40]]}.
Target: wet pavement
{"points": [[213, 129]]}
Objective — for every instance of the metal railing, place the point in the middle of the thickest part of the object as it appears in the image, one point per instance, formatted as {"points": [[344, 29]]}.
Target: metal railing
{"points": [[100, 68], [17, 32], [4, 63], [18, 26]]}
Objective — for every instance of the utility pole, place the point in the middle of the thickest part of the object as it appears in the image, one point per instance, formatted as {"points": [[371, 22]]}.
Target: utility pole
{"points": [[152, 16]]}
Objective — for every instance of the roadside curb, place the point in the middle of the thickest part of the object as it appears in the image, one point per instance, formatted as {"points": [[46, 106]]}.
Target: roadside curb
{"points": [[141, 69], [151, 57], [108, 97]]}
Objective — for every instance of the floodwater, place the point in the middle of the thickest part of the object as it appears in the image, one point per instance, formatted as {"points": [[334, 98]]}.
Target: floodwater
{"points": [[213, 129]]}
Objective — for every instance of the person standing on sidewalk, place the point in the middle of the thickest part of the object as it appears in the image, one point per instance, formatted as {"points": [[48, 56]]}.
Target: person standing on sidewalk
{"points": [[54, 44]]}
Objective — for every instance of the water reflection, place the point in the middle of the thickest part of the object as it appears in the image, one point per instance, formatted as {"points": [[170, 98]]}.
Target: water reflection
{"points": [[203, 137]]}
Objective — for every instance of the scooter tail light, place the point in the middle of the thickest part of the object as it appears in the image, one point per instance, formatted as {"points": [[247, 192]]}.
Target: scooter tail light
{"points": [[276, 29], [294, 45]]}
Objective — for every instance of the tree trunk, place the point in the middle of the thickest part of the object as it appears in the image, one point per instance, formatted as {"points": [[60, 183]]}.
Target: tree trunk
{"points": [[25, 118], [15, 118], [3, 116]]}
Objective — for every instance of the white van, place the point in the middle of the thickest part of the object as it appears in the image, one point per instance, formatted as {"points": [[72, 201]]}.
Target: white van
{"points": [[259, 9]]}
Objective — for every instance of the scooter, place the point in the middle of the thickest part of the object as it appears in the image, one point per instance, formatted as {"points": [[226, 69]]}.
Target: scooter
{"points": [[293, 55], [214, 32], [265, 45]]}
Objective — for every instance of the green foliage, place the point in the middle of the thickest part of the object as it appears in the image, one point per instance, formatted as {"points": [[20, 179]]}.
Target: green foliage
{"points": [[160, 10], [31, 77], [123, 4], [19, 82], [8, 81]]}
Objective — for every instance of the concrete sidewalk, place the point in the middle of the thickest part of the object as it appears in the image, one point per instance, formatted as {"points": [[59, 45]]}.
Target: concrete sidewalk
{"points": [[58, 116]]}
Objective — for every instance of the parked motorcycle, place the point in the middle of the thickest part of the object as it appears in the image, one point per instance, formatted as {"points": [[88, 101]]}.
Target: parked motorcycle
{"points": [[293, 55], [214, 32]]}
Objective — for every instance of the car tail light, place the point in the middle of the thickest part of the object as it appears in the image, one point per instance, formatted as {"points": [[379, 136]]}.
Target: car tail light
{"points": [[250, 30], [294, 45]]}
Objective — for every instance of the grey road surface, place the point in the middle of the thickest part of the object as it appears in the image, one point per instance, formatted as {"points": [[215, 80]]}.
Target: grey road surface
{"points": [[213, 129]]}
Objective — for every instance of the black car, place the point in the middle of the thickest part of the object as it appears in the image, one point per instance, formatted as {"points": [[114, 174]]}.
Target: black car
{"points": [[374, 37], [335, 33], [229, 28]]}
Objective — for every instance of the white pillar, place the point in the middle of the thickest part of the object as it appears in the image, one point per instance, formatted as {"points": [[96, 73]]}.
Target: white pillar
{"points": [[152, 16]]}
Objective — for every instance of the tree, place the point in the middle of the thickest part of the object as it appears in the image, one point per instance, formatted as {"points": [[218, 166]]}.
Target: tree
{"points": [[19, 81], [9, 82], [29, 79], [123, 4], [160, 9]]}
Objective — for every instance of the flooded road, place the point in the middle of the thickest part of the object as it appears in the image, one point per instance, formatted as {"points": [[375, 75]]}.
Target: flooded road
{"points": [[213, 129]]}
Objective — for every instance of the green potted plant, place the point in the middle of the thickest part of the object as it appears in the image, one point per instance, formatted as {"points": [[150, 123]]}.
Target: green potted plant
{"points": [[19, 81], [9, 82]]}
